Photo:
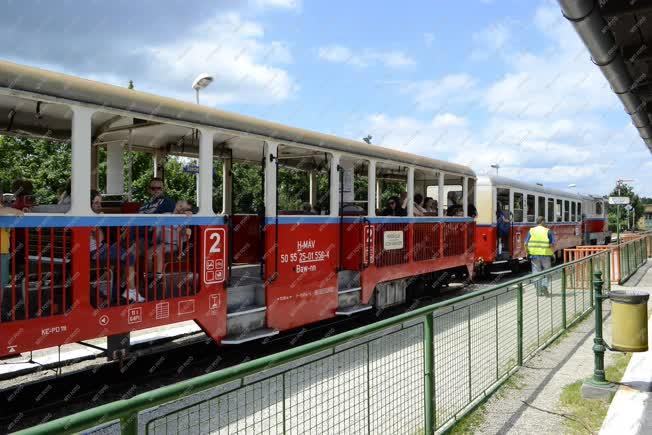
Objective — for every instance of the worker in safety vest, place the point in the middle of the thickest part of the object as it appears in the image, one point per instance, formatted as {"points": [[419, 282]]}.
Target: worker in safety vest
{"points": [[540, 243]]}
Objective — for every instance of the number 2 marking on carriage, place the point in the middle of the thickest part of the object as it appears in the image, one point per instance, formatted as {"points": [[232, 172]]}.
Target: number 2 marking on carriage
{"points": [[214, 255]]}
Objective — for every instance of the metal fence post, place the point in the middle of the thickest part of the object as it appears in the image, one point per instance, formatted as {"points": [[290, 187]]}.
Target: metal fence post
{"points": [[608, 260], [519, 324], [591, 291], [429, 378], [598, 343], [563, 298]]}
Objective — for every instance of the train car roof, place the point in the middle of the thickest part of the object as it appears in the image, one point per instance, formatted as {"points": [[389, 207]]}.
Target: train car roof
{"points": [[496, 180], [15, 77]]}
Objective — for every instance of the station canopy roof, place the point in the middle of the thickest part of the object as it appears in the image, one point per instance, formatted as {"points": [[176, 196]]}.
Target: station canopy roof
{"points": [[618, 35]]}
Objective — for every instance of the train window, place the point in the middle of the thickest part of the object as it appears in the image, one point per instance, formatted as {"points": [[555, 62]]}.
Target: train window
{"points": [[36, 156], [566, 211], [518, 207], [426, 193], [550, 217], [541, 206], [130, 152], [391, 189], [453, 205], [303, 181], [354, 186], [573, 212], [247, 192], [530, 208], [558, 210], [579, 211], [598, 208], [502, 203]]}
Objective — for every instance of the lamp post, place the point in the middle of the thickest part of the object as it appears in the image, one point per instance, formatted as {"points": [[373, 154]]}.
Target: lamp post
{"points": [[496, 166], [202, 81]]}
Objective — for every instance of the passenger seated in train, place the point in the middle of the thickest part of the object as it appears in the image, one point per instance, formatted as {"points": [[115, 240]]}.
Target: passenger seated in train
{"points": [[112, 253], [158, 202], [5, 255], [393, 208], [430, 206], [23, 191], [170, 239], [419, 210], [307, 208]]}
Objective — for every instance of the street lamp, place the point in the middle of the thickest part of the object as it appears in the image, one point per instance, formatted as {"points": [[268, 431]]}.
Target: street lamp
{"points": [[202, 81], [496, 166]]}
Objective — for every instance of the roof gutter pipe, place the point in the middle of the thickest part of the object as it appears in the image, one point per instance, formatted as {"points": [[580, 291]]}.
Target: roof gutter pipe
{"points": [[594, 32]]}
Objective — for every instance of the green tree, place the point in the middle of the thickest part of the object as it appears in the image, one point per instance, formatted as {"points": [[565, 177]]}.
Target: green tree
{"points": [[45, 163], [628, 191]]}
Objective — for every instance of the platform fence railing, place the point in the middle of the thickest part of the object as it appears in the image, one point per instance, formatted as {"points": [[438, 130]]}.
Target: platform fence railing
{"points": [[418, 372]]}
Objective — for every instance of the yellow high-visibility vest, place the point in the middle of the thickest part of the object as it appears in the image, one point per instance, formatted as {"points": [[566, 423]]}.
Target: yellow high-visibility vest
{"points": [[539, 244]]}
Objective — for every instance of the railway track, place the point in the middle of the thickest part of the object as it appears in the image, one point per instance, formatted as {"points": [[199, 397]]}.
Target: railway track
{"points": [[28, 402]]}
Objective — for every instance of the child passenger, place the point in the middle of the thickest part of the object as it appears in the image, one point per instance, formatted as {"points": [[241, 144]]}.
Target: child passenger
{"points": [[171, 237]]}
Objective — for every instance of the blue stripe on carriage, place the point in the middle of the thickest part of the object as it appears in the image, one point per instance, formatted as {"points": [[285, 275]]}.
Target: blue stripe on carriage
{"points": [[49, 221]]}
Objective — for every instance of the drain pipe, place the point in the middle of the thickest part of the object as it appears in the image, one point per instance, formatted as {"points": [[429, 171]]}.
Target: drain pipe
{"points": [[598, 39]]}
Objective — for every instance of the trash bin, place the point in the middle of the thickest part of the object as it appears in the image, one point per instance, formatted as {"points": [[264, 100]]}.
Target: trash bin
{"points": [[629, 320]]}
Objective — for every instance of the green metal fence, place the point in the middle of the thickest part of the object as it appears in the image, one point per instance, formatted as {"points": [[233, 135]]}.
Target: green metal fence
{"points": [[633, 255], [418, 372]]}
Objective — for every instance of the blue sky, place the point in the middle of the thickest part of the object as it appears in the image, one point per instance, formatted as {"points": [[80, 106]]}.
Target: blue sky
{"points": [[476, 82]]}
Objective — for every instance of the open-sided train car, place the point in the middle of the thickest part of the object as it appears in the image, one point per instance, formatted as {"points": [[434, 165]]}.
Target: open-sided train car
{"points": [[259, 256], [508, 208]]}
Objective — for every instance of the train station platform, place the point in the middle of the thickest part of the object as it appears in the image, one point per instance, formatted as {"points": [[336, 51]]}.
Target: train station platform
{"points": [[533, 399]]}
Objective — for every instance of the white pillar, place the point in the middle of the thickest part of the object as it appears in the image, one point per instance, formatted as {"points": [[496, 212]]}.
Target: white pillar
{"points": [[371, 189], [205, 172], [465, 195], [410, 191], [271, 149], [440, 195], [80, 203], [335, 185], [115, 179], [227, 186], [313, 188]]}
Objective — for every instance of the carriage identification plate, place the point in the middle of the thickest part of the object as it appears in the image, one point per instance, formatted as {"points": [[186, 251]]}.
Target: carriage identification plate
{"points": [[392, 240]]}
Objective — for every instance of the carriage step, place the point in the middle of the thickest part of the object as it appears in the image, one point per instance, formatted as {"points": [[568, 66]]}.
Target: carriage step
{"points": [[249, 336], [243, 311], [347, 311], [349, 290], [500, 272]]}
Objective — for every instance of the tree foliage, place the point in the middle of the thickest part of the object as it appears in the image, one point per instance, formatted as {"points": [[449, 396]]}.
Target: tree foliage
{"points": [[635, 201]]}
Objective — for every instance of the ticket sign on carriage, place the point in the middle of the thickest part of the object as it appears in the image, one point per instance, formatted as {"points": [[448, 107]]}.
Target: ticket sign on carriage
{"points": [[618, 200], [214, 259]]}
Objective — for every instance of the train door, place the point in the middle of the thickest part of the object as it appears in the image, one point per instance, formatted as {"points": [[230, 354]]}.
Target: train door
{"points": [[301, 239], [503, 224], [243, 199]]}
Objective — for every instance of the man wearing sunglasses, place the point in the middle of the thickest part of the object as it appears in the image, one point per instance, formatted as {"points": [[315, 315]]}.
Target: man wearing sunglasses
{"points": [[158, 203]]}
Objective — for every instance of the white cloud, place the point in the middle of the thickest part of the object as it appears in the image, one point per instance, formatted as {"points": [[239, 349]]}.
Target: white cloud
{"points": [[278, 4], [440, 93], [490, 41], [340, 54], [245, 66]]}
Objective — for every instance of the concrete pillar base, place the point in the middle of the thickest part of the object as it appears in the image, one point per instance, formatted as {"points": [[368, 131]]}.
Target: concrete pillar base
{"points": [[598, 390]]}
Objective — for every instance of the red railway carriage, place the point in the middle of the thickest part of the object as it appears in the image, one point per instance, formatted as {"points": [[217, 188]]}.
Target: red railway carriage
{"points": [[292, 226], [508, 208]]}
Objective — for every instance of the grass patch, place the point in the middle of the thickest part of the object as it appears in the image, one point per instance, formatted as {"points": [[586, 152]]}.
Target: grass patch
{"points": [[588, 415], [472, 421]]}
